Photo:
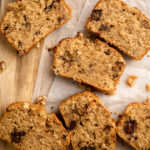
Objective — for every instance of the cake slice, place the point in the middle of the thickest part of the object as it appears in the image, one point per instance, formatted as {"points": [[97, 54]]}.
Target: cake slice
{"points": [[29, 21], [134, 126], [121, 25], [28, 127], [89, 123], [89, 61]]}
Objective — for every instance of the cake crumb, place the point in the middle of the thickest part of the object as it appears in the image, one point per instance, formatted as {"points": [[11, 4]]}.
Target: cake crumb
{"points": [[38, 45], [41, 100], [26, 105], [51, 48], [148, 55], [2, 66], [52, 107], [21, 52], [79, 34], [146, 102], [131, 80], [148, 87], [120, 115]]}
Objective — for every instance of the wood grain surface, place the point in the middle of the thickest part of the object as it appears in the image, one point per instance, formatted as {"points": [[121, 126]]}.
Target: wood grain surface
{"points": [[18, 80]]}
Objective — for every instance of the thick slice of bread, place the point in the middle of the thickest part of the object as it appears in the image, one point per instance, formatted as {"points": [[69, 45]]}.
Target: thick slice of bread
{"points": [[134, 126], [89, 122], [89, 61], [121, 25], [28, 127], [29, 21]]}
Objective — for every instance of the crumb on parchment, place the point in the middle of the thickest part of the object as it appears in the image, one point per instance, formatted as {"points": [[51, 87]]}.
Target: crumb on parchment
{"points": [[131, 80], [146, 102], [41, 100], [148, 87], [148, 55], [51, 48], [52, 107]]}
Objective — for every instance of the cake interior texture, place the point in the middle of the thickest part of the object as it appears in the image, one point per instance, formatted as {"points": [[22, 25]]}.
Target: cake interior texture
{"points": [[89, 61], [29, 127], [134, 126], [121, 25], [89, 122], [29, 21]]}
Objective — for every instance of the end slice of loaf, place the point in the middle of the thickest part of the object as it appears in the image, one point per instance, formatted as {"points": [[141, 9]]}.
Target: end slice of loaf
{"points": [[27, 126], [29, 21], [89, 61], [134, 126], [121, 25], [89, 122]]}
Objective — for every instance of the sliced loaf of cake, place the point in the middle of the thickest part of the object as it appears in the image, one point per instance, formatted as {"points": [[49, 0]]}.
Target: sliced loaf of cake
{"points": [[134, 126], [89, 61], [29, 21], [28, 127], [121, 25], [89, 123]]}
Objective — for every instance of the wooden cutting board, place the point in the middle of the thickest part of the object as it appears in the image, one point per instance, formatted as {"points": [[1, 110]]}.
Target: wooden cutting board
{"points": [[17, 81]]}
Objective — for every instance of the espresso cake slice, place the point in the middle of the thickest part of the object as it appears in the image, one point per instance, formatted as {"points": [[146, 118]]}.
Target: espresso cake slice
{"points": [[89, 123], [125, 27], [29, 21], [28, 127], [89, 61], [134, 126]]}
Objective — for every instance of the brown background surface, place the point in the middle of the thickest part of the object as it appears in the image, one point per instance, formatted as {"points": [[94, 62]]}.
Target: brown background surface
{"points": [[18, 80]]}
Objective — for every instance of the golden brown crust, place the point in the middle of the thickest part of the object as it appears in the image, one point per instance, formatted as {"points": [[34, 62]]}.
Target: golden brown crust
{"points": [[119, 123], [123, 3], [35, 43], [98, 101], [78, 95], [99, 89], [131, 104], [122, 115]]}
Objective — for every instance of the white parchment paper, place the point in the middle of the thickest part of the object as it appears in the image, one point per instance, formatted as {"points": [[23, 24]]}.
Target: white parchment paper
{"points": [[58, 88]]}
